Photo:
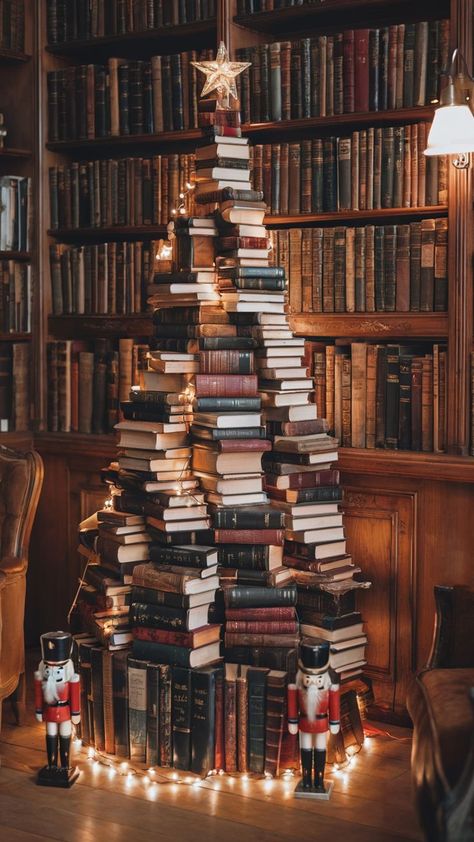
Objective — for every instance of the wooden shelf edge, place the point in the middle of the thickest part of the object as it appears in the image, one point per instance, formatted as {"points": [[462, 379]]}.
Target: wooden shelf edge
{"points": [[90, 326], [340, 217], [147, 36], [398, 115], [17, 440], [76, 444], [15, 337], [12, 56], [15, 255], [375, 326], [117, 141], [433, 466], [133, 232], [6, 152]]}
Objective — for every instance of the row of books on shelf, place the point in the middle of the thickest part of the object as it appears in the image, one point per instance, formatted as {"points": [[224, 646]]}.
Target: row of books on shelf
{"points": [[370, 169], [251, 7], [389, 396], [123, 191], [14, 386], [101, 278], [87, 381], [124, 97], [359, 70], [371, 268], [12, 25], [15, 297], [16, 210], [82, 19]]}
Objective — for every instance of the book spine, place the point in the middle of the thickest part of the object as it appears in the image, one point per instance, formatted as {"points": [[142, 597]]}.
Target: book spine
{"points": [[392, 398], [242, 723], [165, 730], [274, 722], [230, 717], [203, 719], [256, 719], [181, 708], [152, 749]]}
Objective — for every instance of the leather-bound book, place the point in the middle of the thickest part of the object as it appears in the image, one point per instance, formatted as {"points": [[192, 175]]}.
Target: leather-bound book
{"points": [[414, 146], [317, 269], [402, 269], [363, 169], [355, 171], [441, 265], [350, 270], [338, 360], [442, 179], [203, 719], [256, 677], [306, 270], [443, 361], [267, 173], [97, 697], [377, 169], [379, 242], [427, 403], [415, 266], [361, 70], [319, 375], [390, 279], [323, 44], [330, 355], [392, 67], [156, 94], [64, 381], [344, 173], [427, 265], [360, 277], [421, 63], [52, 369], [388, 155], [399, 65], [120, 703], [296, 81], [369, 268], [306, 176], [329, 174], [398, 164], [315, 78], [230, 717], [317, 176], [381, 379], [86, 387], [107, 693], [284, 178], [275, 168], [256, 92], [137, 708], [404, 420], [349, 71], [374, 69], [99, 422], [369, 173], [219, 732], [371, 390], [125, 368], [242, 719], [406, 187], [409, 65], [285, 61], [338, 73], [339, 268], [295, 291], [275, 82], [432, 74], [112, 389], [167, 93], [328, 270], [294, 178], [435, 398], [416, 402], [330, 76], [358, 393], [84, 670], [152, 714], [422, 159], [265, 103], [165, 722], [432, 180], [383, 68], [181, 717], [306, 76], [275, 719], [392, 397]]}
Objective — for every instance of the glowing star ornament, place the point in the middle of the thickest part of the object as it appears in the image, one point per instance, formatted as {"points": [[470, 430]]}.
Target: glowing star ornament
{"points": [[221, 73]]}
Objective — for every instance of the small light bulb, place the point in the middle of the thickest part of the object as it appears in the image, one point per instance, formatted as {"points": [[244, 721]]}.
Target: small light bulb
{"points": [[181, 195]]}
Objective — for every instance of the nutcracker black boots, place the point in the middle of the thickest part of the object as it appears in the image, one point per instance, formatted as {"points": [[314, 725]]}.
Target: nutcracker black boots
{"points": [[306, 763], [52, 749], [64, 749], [319, 764]]}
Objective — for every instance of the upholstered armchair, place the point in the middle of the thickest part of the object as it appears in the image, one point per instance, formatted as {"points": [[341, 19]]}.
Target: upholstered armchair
{"points": [[21, 478]]}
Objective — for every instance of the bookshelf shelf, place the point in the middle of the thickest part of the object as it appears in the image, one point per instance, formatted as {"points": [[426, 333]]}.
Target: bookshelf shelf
{"points": [[17, 440], [80, 444], [109, 144], [294, 18], [342, 217], [13, 57], [15, 255], [377, 326], [15, 153], [114, 232], [149, 42], [84, 326], [15, 337], [436, 466], [336, 121]]}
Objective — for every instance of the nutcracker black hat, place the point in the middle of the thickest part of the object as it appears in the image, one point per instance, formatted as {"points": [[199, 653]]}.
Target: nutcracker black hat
{"points": [[314, 656], [56, 647]]}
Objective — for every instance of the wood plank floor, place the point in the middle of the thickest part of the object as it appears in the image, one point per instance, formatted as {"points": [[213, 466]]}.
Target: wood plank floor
{"points": [[372, 802]]}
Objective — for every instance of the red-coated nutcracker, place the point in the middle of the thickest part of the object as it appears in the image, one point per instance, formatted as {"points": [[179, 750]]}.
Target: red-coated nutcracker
{"points": [[57, 703], [313, 710]]}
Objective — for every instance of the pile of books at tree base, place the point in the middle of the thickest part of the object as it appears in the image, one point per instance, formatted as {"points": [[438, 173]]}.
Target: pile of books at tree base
{"points": [[371, 168], [228, 717], [396, 66], [65, 24], [371, 268], [390, 396], [87, 381], [117, 191]]}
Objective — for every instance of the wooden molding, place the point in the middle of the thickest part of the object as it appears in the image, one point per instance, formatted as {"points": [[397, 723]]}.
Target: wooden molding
{"points": [[404, 463], [371, 325], [78, 327]]}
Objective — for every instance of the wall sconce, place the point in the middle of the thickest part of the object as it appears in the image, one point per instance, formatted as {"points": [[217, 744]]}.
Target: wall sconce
{"points": [[452, 129]]}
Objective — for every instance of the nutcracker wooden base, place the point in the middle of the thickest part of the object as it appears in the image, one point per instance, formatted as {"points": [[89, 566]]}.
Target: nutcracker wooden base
{"points": [[54, 776], [304, 792]]}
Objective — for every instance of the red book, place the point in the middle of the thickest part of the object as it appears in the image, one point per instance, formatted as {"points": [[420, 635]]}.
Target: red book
{"points": [[226, 385], [348, 76], [190, 640], [265, 627], [284, 613], [361, 70], [230, 243], [243, 445], [249, 536]]}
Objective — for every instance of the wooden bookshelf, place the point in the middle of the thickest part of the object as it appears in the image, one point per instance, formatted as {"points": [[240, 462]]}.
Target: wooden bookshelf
{"points": [[377, 326], [355, 216], [13, 57], [441, 467], [126, 142], [91, 326], [114, 232], [12, 336], [16, 255], [309, 126], [12, 154]]}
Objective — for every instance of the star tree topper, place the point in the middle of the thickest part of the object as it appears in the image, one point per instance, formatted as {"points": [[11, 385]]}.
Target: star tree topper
{"points": [[221, 73]]}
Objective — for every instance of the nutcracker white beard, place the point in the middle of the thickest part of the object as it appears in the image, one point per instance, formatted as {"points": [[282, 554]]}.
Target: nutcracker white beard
{"points": [[51, 687], [314, 694]]}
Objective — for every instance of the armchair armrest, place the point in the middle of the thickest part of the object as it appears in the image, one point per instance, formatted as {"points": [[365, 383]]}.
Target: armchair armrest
{"points": [[12, 564], [3, 580], [453, 637]]}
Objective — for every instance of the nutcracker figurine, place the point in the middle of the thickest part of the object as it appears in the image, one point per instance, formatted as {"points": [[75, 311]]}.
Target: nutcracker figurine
{"points": [[313, 708], [57, 702]]}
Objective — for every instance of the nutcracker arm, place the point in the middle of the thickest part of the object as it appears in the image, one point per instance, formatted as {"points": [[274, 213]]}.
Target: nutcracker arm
{"points": [[38, 694], [334, 708], [292, 699], [75, 695]]}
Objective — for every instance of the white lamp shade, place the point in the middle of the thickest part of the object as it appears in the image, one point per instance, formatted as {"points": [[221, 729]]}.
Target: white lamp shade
{"points": [[452, 131]]}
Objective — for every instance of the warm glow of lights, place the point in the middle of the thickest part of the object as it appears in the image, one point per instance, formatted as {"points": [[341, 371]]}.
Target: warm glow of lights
{"points": [[452, 131]]}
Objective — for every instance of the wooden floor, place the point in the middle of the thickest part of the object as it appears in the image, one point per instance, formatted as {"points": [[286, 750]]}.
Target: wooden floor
{"points": [[372, 802]]}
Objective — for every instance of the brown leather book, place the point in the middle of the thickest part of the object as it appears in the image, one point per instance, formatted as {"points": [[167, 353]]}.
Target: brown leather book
{"points": [[380, 396], [416, 402], [346, 402], [306, 176], [358, 393], [306, 270], [242, 719], [360, 277], [363, 169], [272, 537], [267, 174], [219, 744], [284, 176], [338, 60], [369, 174], [64, 385], [370, 268], [403, 269], [294, 277], [317, 273], [328, 270], [441, 265], [21, 376], [406, 186], [414, 166], [330, 76], [275, 719], [294, 178], [319, 375], [427, 265], [86, 387], [377, 191], [427, 403], [443, 361], [285, 61], [361, 70], [262, 626], [230, 717], [392, 67], [350, 270], [108, 700], [330, 354], [422, 137], [435, 398], [399, 62], [371, 392], [355, 198], [322, 41], [348, 79], [339, 269], [338, 395]]}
